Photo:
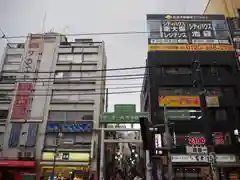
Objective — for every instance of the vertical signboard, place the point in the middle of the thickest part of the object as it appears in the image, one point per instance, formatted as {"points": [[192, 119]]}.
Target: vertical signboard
{"points": [[234, 26], [188, 33], [20, 107], [23, 92]]}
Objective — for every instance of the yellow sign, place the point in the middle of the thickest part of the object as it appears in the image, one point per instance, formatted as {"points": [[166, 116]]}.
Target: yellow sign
{"points": [[186, 101], [73, 156], [190, 47]]}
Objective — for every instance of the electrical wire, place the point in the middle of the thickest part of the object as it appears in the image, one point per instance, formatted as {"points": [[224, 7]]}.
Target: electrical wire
{"points": [[57, 89], [91, 34], [82, 78], [83, 34], [97, 70], [70, 94]]}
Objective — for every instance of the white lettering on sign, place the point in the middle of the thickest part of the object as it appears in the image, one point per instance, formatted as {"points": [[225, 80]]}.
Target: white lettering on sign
{"points": [[203, 158]]}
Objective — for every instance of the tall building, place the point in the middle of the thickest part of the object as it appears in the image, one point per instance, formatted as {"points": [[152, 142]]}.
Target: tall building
{"points": [[230, 8], [52, 95], [177, 44]]}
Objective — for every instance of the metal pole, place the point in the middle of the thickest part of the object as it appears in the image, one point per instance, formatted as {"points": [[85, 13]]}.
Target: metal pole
{"points": [[102, 156], [168, 139], [106, 103], [205, 114]]}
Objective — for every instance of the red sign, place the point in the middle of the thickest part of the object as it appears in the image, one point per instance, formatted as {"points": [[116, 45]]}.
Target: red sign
{"points": [[10, 163], [219, 138], [196, 141], [21, 102]]}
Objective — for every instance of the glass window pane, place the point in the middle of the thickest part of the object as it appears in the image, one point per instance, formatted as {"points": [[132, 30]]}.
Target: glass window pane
{"points": [[56, 115], [77, 58]]}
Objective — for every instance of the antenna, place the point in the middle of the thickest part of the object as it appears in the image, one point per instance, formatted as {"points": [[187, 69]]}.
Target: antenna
{"points": [[44, 22]]}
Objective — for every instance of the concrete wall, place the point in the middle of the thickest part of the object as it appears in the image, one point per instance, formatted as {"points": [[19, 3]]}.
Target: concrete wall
{"points": [[226, 7]]}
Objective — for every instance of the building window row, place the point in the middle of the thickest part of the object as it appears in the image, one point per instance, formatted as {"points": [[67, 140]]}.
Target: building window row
{"points": [[184, 91], [70, 75], [13, 58], [211, 71], [70, 115], [77, 58], [78, 95]]}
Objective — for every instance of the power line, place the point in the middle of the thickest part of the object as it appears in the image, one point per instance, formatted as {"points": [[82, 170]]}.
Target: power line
{"points": [[81, 78], [107, 69], [124, 87], [92, 34], [80, 94], [84, 34], [67, 81]]}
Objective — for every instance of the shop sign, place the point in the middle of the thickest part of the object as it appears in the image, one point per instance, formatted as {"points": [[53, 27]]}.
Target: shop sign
{"points": [[70, 127], [123, 113], [203, 158], [6, 163], [67, 156], [186, 101], [188, 33]]}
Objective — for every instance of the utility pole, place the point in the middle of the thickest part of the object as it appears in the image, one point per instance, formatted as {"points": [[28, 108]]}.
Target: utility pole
{"points": [[58, 142], [198, 82], [106, 103], [168, 140]]}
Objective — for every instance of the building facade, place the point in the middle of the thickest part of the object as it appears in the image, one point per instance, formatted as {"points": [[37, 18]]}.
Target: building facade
{"points": [[176, 42], [52, 95], [230, 8]]}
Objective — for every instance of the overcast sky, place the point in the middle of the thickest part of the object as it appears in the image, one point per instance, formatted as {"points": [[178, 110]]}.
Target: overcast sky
{"points": [[19, 17]]}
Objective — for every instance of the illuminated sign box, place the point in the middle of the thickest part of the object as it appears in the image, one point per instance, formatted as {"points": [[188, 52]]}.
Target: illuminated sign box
{"points": [[70, 127], [72, 156], [186, 101]]}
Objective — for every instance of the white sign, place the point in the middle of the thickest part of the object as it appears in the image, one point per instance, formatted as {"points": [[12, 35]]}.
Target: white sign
{"points": [[222, 158]]}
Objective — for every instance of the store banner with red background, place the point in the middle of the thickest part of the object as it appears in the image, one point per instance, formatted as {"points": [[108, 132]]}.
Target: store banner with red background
{"points": [[21, 103]]}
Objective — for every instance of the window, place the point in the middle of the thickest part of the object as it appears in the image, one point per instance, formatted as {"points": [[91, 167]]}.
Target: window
{"points": [[214, 71], [62, 75], [172, 91], [3, 114], [238, 10], [13, 58], [214, 92], [221, 115], [70, 115], [90, 57], [177, 70], [9, 78], [73, 58], [78, 95]]}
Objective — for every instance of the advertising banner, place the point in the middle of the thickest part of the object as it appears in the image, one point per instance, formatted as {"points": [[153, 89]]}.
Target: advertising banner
{"points": [[186, 101], [188, 33], [21, 102]]}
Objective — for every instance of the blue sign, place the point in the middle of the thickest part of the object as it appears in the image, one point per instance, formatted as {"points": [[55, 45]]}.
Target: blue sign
{"points": [[69, 127]]}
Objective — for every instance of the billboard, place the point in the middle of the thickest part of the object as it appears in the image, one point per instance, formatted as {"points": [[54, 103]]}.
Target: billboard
{"points": [[20, 106], [188, 33], [186, 101]]}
